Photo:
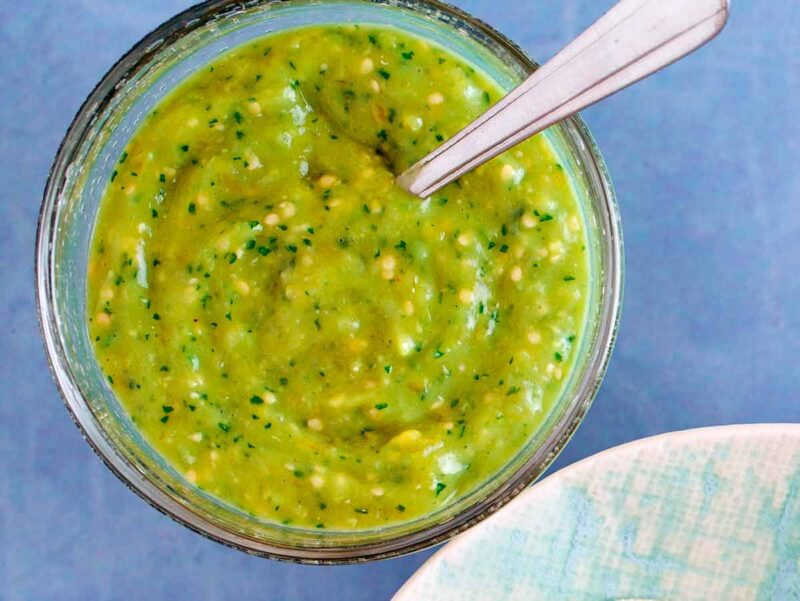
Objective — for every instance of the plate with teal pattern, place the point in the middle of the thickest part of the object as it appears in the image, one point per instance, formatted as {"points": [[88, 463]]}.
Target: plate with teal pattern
{"points": [[708, 514]]}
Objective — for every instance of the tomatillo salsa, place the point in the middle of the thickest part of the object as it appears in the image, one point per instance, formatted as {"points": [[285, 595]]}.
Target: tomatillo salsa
{"points": [[297, 335]]}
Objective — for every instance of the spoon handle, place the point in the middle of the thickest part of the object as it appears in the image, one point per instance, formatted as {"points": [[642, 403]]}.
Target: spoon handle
{"points": [[631, 41]]}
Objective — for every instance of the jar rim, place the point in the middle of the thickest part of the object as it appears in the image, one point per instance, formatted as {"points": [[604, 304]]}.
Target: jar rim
{"points": [[133, 476]]}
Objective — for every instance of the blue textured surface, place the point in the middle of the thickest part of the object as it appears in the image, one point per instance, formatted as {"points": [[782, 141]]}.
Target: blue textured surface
{"points": [[705, 160], [697, 515]]}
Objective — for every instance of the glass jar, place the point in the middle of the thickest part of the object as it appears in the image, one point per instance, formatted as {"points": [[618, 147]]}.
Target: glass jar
{"points": [[77, 180]]}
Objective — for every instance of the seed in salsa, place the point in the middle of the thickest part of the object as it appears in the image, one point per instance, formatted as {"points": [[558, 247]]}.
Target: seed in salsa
{"points": [[297, 335]]}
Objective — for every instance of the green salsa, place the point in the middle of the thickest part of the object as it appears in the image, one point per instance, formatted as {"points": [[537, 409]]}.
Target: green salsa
{"points": [[298, 336]]}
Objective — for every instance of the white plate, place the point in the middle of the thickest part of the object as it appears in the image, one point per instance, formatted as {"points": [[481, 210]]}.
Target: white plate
{"points": [[709, 514]]}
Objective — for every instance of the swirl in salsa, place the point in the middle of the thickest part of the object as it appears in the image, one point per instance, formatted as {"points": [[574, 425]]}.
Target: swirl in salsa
{"points": [[297, 335]]}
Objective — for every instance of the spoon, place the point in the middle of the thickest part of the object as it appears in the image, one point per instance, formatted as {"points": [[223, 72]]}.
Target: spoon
{"points": [[634, 39]]}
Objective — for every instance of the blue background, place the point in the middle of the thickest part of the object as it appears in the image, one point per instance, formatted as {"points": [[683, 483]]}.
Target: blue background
{"points": [[706, 165]]}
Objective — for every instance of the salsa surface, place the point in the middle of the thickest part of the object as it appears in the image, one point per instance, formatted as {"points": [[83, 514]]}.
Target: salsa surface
{"points": [[298, 336]]}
